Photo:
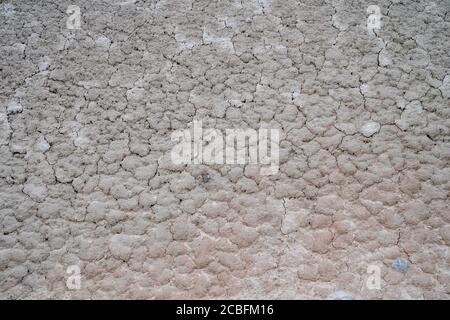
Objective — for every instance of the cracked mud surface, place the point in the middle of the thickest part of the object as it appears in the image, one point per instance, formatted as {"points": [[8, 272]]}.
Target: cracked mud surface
{"points": [[85, 171]]}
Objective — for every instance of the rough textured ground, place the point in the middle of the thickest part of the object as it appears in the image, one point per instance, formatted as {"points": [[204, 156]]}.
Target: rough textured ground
{"points": [[85, 171]]}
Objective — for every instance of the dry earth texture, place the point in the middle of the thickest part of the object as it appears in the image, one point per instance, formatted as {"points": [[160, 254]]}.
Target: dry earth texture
{"points": [[86, 177]]}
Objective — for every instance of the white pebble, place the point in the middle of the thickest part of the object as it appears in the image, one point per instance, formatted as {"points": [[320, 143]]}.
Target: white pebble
{"points": [[370, 128]]}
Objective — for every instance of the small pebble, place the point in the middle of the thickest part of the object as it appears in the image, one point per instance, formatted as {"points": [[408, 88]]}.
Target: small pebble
{"points": [[44, 63], [42, 144], [370, 128], [205, 177], [400, 264], [103, 42], [340, 295], [14, 107]]}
